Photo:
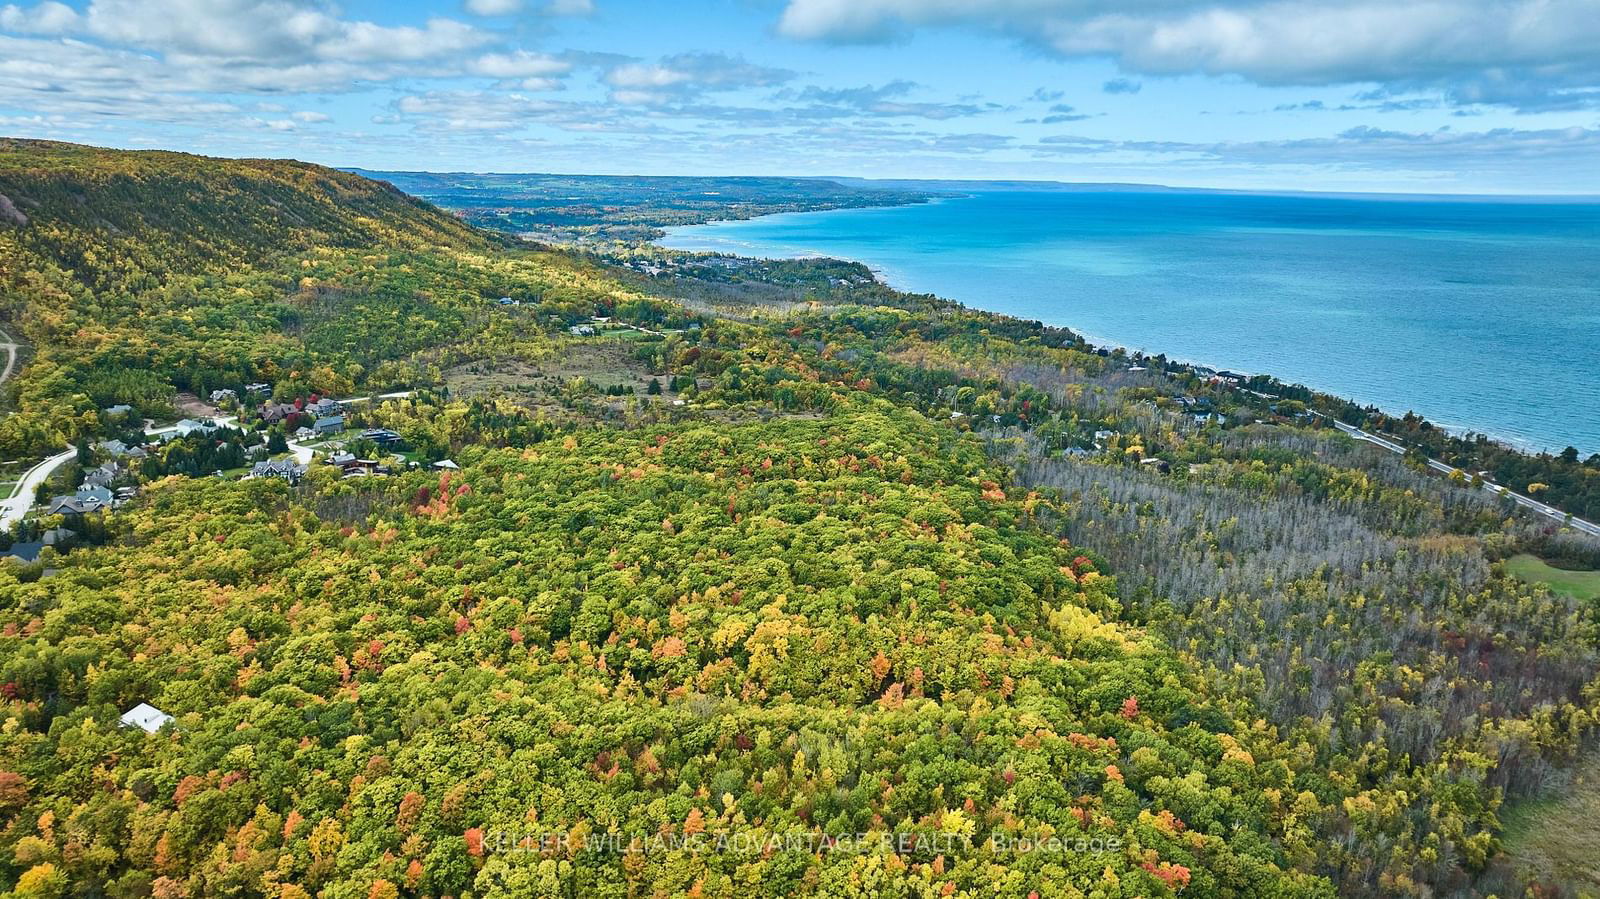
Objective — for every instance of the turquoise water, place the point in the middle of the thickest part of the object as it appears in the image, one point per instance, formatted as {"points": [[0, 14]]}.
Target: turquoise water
{"points": [[1480, 315]]}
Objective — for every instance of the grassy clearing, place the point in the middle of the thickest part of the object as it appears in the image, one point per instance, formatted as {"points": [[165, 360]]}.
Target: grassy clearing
{"points": [[1583, 585], [1558, 838]]}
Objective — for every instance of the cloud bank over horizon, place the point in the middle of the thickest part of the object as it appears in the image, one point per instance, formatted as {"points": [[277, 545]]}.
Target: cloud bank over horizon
{"points": [[1449, 95]]}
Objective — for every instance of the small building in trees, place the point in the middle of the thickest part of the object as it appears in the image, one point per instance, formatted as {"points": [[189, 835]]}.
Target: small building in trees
{"points": [[146, 717]]}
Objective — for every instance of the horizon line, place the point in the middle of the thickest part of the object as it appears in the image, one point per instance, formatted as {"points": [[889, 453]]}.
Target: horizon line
{"points": [[954, 184], [951, 183]]}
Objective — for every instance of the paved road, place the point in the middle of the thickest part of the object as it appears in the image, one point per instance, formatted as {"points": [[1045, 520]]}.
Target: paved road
{"points": [[1526, 502], [10, 347], [15, 507]]}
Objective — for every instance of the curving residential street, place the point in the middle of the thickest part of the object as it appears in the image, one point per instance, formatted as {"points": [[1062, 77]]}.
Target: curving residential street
{"points": [[15, 507]]}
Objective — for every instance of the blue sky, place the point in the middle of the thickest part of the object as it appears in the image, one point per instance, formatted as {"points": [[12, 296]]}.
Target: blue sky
{"points": [[1475, 96]]}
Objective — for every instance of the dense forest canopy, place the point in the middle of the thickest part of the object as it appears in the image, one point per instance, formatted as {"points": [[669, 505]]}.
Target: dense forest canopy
{"points": [[767, 583]]}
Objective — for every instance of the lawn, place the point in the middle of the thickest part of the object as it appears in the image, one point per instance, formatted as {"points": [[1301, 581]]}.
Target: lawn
{"points": [[1581, 584]]}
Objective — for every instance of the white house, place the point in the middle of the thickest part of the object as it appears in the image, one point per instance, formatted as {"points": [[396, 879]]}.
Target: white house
{"points": [[146, 717], [189, 426]]}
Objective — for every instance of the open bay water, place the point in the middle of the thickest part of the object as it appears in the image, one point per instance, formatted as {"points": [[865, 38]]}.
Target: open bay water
{"points": [[1480, 314]]}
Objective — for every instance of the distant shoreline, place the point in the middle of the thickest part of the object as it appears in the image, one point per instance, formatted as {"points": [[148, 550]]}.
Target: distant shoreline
{"points": [[887, 277]]}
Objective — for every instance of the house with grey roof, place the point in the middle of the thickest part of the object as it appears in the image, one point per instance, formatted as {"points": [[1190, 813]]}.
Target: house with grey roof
{"points": [[78, 505], [324, 407], [102, 476], [287, 469]]}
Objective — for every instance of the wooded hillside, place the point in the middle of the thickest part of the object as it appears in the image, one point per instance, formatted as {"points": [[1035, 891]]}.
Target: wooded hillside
{"points": [[866, 595]]}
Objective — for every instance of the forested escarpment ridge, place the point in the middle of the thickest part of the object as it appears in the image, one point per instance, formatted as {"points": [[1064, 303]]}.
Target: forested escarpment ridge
{"points": [[746, 589], [130, 274]]}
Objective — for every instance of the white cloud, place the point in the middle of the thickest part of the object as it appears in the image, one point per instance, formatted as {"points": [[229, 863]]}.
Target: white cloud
{"points": [[1517, 52], [494, 7], [507, 111], [686, 75], [157, 59], [881, 101], [1505, 155], [45, 18], [282, 33], [520, 64], [512, 7]]}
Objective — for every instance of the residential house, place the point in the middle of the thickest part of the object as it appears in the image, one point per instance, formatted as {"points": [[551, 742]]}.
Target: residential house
{"points": [[190, 426], [80, 504], [304, 434], [94, 493], [324, 407], [271, 413], [381, 436], [332, 424], [120, 410], [446, 465], [103, 476], [26, 553], [257, 387], [146, 717], [223, 393], [58, 537], [582, 330], [287, 469], [115, 448], [360, 468]]}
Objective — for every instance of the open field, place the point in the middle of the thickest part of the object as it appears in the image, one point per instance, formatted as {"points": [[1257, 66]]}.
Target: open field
{"points": [[1558, 838], [1581, 584]]}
